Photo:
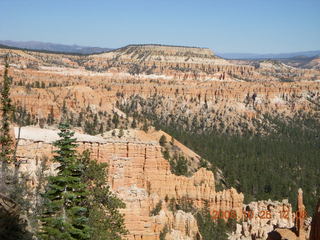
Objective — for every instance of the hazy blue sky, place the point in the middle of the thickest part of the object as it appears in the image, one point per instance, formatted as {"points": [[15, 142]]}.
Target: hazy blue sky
{"points": [[258, 26]]}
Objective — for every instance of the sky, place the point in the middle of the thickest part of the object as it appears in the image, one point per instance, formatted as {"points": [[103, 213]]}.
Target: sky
{"points": [[237, 26]]}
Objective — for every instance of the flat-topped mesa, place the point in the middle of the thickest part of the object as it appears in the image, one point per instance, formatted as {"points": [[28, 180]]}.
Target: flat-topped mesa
{"points": [[168, 63], [166, 50], [181, 63], [167, 56]]}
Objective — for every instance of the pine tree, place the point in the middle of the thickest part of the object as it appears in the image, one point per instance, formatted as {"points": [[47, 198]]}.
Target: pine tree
{"points": [[64, 107], [209, 228], [101, 129], [181, 167], [121, 133], [50, 119], [105, 220], [95, 121], [163, 141], [11, 226], [134, 123], [145, 126], [6, 141], [115, 119], [65, 215], [80, 119]]}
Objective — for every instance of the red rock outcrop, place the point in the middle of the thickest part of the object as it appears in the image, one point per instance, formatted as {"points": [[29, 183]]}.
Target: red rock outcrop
{"points": [[189, 81], [141, 177], [300, 216], [262, 217], [274, 221], [227, 102]]}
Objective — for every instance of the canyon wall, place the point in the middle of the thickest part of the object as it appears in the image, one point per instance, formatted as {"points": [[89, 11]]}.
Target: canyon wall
{"points": [[192, 83], [141, 177], [174, 84], [215, 103]]}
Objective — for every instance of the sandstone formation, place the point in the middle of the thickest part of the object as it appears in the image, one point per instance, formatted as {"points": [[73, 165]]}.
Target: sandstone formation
{"points": [[209, 104], [279, 224], [141, 177], [180, 82], [300, 216], [191, 85], [298, 231], [262, 218], [165, 62]]}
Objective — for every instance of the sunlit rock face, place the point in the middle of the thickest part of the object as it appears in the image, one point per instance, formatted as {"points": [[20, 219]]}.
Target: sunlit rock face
{"points": [[192, 83], [141, 177]]}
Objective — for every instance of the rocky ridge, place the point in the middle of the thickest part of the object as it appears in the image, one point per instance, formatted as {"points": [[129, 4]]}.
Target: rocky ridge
{"points": [[164, 62]]}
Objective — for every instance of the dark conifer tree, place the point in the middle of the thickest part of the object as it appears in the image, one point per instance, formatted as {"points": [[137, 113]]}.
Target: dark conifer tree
{"points": [[163, 141], [134, 124], [11, 226], [6, 111], [105, 220], [65, 215]]}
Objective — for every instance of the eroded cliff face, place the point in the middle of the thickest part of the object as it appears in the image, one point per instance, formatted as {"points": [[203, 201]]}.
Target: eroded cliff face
{"points": [[218, 105], [179, 83], [190, 85], [141, 177]]}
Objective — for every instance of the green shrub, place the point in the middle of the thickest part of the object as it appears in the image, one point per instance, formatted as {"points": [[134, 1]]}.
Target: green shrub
{"points": [[156, 209]]}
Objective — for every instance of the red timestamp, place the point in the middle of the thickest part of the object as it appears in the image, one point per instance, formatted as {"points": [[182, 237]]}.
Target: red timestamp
{"points": [[232, 214], [263, 214], [301, 214], [229, 214]]}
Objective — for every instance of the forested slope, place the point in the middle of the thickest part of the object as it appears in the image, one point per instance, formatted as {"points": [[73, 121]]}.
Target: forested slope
{"points": [[271, 166]]}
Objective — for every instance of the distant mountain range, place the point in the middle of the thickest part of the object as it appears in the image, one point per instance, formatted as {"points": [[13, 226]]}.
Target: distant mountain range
{"points": [[53, 47], [269, 56], [64, 48]]}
